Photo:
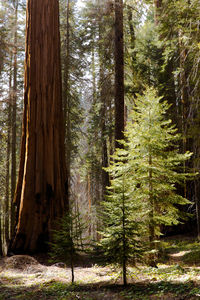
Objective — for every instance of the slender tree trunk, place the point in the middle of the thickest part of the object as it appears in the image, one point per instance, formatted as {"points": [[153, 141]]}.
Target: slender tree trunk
{"points": [[124, 259], [166, 80], [14, 119], [72, 250], [119, 73], [2, 44], [184, 100], [1, 246], [94, 87], [1, 203], [133, 38], [66, 97], [196, 192], [42, 189], [89, 204], [79, 229], [152, 257], [7, 204], [111, 131], [72, 261], [91, 178], [151, 213], [103, 98]]}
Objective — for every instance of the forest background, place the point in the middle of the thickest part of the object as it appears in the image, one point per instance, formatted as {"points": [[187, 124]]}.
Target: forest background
{"points": [[161, 50]]}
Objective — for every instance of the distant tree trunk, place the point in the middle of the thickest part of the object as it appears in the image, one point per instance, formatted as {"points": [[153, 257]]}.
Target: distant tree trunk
{"points": [[103, 101], [89, 205], [13, 121], [111, 131], [2, 44], [105, 176], [184, 101], [66, 93], [166, 78], [152, 234], [151, 206], [119, 73], [124, 241], [7, 196], [1, 246], [1, 200], [132, 37], [196, 195], [41, 194]]}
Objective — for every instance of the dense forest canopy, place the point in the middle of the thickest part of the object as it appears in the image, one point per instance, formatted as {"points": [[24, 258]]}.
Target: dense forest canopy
{"points": [[98, 149]]}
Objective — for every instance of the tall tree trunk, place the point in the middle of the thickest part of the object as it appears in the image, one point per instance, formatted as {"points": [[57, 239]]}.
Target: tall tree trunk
{"points": [[196, 195], [66, 96], [151, 203], [152, 234], [132, 37], [124, 241], [89, 205], [1, 202], [41, 194], [14, 118], [119, 73], [166, 78], [184, 100], [7, 196], [103, 101], [1, 246]]}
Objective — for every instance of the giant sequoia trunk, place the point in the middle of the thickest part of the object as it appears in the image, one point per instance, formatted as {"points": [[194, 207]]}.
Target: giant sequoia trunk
{"points": [[41, 194]]}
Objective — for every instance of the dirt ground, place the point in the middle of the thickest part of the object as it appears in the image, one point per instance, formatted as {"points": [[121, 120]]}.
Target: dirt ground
{"points": [[24, 277]]}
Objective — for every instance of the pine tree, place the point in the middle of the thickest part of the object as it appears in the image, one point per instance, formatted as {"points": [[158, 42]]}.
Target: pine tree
{"points": [[121, 217], [67, 240], [145, 177], [156, 161]]}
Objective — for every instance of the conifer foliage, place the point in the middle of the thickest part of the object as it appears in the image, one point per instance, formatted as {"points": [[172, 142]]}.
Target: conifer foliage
{"points": [[120, 241], [155, 160], [67, 239], [143, 192]]}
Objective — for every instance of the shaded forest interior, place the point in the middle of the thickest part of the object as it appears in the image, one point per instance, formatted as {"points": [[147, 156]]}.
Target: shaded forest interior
{"points": [[99, 128]]}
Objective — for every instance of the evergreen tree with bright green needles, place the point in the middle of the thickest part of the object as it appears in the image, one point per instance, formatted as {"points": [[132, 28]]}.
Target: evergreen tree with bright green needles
{"points": [[121, 235], [143, 192], [67, 239]]}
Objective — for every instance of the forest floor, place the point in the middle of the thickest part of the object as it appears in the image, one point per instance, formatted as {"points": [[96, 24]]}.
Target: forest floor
{"points": [[177, 276]]}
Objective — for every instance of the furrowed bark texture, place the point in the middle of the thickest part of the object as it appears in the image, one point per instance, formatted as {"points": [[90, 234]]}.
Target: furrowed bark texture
{"points": [[41, 194]]}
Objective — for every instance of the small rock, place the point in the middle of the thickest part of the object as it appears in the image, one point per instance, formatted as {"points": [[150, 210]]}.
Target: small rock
{"points": [[60, 265]]}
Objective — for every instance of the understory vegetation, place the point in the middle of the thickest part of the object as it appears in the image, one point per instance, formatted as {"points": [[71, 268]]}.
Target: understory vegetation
{"points": [[177, 276], [99, 149]]}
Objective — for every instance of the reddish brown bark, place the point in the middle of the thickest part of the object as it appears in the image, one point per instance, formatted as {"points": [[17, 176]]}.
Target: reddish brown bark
{"points": [[41, 194]]}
